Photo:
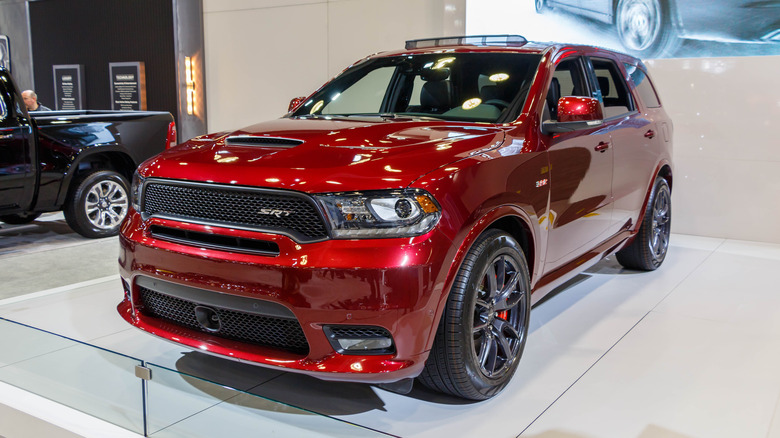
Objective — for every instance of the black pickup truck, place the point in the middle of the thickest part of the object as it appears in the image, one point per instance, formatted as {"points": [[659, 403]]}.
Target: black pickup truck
{"points": [[76, 161]]}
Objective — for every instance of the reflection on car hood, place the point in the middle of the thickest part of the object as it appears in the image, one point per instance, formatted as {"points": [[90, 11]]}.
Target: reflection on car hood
{"points": [[334, 155]]}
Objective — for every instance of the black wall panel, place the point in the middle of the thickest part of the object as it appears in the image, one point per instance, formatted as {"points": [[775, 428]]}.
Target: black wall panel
{"points": [[96, 32]]}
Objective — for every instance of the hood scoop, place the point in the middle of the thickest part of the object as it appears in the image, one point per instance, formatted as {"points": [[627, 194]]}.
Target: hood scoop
{"points": [[274, 142]]}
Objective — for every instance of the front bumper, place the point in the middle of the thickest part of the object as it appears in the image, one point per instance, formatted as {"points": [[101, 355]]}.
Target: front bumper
{"points": [[394, 284]]}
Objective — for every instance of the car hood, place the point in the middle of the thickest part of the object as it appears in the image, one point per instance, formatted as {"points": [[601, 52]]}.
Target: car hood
{"points": [[334, 155]]}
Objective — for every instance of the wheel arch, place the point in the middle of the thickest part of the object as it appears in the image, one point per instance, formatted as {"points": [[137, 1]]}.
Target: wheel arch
{"points": [[114, 159], [663, 170], [666, 173], [511, 219], [521, 232]]}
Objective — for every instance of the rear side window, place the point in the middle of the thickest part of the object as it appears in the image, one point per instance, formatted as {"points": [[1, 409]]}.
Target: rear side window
{"points": [[613, 88], [644, 86]]}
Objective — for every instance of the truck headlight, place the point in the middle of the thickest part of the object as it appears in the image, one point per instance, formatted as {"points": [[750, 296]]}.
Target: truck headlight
{"points": [[135, 191], [380, 214]]}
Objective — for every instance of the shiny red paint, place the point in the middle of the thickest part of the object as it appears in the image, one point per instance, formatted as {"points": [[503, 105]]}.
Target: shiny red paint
{"points": [[579, 109], [482, 175], [295, 102], [171, 137]]}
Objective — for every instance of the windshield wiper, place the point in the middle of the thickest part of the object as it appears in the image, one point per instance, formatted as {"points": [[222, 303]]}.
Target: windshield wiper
{"points": [[391, 116], [385, 116]]}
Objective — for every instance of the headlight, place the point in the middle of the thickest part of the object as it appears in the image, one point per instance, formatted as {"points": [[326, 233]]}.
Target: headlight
{"points": [[135, 191], [398, 213]]}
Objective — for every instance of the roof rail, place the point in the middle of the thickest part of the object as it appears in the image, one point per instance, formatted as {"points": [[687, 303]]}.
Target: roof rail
{"points": [[476, 40]]}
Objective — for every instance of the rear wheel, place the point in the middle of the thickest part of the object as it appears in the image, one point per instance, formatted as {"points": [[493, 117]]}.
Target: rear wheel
{"points": [[645, 28], [98, 204], [484, 327], [19, 219], [648, 250], [541, 6]]}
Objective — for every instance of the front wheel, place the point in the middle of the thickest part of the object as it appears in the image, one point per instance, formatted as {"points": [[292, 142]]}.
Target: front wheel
{"points": [[645, 28], [484, 327], [541, 6], [98, 204], [648, 250]]}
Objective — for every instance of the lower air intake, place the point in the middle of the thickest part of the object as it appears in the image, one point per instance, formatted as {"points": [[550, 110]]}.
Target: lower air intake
{"points": [[282, 333]]}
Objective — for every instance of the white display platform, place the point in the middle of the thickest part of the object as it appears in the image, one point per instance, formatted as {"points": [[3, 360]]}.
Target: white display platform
{"points": [[687, 350]]}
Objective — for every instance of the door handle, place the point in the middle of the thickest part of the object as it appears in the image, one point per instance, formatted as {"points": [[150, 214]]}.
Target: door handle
{"points": [[650, 134], [602, 147]]}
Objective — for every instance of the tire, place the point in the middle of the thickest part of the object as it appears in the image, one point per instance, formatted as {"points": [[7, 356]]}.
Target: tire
{"points": [[480, 340], [645, 28], [19, 219], [649, 248], [541, 6], [98, 204]]}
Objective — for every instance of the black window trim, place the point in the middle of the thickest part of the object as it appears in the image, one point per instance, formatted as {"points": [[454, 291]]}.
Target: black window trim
{"points": [[641, 68], [583, 78], [592, 75]]}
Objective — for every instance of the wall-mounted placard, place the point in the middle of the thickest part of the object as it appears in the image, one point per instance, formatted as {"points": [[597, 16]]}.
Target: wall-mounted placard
{"points": [[69, 87], [128, 85]]}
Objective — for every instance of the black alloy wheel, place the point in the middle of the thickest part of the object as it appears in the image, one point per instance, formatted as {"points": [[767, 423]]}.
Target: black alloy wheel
{"points": [[484, 327], [499, 317], [649, 248]]}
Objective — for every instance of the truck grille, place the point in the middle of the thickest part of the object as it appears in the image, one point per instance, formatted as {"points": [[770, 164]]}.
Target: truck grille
{"points": [[281, 333], [275, 211]]}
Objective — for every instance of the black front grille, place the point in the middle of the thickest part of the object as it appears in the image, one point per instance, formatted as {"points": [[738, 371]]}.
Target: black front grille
{"points": [[282, 333], [216, 241], [265, 210]]}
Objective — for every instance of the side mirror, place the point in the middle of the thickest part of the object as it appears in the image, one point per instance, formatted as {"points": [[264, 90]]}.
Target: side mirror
{"points": [[575, 113], [295, 103]]}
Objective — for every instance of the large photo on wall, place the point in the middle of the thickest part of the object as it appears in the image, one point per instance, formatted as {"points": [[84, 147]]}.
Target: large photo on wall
{"points": [[645, 28]]}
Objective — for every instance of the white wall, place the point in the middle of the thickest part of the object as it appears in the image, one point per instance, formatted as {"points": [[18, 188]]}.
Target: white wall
{"points": [[726, 114], [262, 53]]}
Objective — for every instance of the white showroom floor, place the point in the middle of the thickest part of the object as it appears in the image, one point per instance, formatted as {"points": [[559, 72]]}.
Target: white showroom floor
{"points": [[690, 350]]}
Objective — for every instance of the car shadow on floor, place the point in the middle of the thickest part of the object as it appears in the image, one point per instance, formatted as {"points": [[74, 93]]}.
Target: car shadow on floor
{"points": [[53, 231], [346, 398]]}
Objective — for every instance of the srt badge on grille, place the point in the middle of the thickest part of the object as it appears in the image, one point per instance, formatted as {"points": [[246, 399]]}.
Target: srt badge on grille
{"points": [[275, 212]]}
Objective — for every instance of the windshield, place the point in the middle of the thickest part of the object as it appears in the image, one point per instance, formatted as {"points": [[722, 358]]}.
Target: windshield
{"points": [[480, 87]]}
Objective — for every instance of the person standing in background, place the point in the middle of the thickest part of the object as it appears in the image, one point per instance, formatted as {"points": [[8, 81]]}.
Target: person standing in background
{"points": [[31, 100]]}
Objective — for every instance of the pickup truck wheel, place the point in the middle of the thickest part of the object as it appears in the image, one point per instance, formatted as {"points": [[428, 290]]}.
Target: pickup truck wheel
{"points": [[98, 204], [648, 250], [19, 219], [484, 328]]}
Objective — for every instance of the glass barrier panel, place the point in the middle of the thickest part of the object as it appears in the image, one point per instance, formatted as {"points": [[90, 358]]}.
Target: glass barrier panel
{"points": [[92, 380], [182, 406]]}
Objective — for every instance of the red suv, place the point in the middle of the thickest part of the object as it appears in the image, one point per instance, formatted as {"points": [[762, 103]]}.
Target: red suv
{"points": [[402, 220]]}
